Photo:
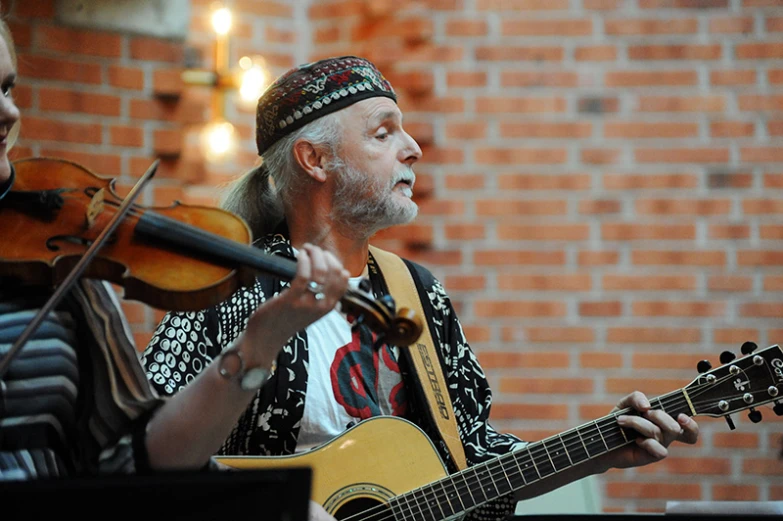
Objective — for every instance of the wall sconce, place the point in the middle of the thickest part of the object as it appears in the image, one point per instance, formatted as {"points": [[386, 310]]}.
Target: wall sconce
{"points": [[249, 78]]}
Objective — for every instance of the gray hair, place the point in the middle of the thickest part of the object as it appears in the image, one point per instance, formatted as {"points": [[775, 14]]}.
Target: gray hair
{"points": [[262, 204]]}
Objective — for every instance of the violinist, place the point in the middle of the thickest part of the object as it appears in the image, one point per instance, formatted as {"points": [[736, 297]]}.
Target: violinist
{"points": [[75, 400], [338, 167]]}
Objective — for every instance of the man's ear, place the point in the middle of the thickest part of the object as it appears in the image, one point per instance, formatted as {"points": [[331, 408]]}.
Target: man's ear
{"points": [[310, 159]]}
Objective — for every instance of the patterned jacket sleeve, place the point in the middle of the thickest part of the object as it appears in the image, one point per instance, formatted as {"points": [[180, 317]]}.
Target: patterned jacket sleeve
{"points": [[468, 387], [183, 344]]}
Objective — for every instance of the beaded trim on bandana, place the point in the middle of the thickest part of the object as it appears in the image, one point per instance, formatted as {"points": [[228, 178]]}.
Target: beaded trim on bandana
{"points": [[313, 90]]}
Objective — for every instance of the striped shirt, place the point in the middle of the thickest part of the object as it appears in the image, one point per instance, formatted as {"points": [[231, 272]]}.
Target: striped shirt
{"points": [[75, 397]]}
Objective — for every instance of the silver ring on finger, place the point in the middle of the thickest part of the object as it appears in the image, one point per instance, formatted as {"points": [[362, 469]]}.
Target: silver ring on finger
{"points": [[317, 289]]}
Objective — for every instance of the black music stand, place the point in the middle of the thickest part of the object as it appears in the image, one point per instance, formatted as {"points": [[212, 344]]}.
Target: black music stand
{"points": [[269, 494]]}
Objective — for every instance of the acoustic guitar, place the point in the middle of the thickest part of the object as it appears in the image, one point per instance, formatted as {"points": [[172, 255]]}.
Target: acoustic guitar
{"points": [[387, 469]]}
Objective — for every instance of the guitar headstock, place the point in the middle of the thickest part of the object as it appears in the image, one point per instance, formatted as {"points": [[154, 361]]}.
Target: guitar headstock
{"points": [[750, 381]]}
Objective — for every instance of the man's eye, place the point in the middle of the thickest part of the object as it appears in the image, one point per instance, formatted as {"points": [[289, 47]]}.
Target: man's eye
{"points": [[382, 135], [7, 89]]}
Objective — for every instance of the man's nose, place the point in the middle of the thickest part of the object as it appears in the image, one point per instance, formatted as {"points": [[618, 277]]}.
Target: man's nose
{"points": [[412, 150]]}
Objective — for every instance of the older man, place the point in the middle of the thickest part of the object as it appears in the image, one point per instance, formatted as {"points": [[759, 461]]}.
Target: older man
{"points": [[332, 141]]}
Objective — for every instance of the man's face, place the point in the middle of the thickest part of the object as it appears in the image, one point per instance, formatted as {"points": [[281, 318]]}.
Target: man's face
{"points": [[374, 168]]}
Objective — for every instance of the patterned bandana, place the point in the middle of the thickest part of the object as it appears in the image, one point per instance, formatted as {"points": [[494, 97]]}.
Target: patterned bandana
{"points": [[310, 91]]}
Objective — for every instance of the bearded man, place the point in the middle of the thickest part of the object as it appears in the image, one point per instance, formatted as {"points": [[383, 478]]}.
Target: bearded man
{"points": [[331, 138]]}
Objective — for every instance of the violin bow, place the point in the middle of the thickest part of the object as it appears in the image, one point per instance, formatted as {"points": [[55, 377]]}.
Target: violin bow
{"points": [[77, 270]]}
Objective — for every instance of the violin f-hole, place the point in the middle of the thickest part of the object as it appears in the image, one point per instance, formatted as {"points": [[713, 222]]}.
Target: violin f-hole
{"points": [[74, 239]]}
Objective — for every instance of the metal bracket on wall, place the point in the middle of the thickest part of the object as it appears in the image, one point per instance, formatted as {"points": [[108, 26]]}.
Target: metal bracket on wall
{"points": [[156, 18]]}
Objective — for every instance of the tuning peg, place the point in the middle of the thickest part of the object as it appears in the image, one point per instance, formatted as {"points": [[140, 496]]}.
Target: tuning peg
{"points": [[730, 422], [726, 357], [703, 366], [365, 285], [754, 415], [748, 347], [778, 408], [388, 301]]}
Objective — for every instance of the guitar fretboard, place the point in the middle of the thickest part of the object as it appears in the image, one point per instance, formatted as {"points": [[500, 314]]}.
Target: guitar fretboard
{"points": [[483, 483]]}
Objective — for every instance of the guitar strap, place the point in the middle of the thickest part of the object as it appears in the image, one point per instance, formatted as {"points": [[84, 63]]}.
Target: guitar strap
{"points": [[424, 358]]}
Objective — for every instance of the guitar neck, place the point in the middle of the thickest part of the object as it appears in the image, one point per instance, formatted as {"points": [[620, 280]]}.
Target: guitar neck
{"points": [[485, 482]]}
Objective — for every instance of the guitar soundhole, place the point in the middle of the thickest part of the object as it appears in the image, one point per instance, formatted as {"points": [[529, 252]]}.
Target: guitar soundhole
{"points": [[373, 509]]}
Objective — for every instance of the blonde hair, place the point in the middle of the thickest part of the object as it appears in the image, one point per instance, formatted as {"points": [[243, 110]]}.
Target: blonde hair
{"points": [[5, 33]]}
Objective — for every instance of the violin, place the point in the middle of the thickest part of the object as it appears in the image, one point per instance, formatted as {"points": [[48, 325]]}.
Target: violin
{"points": [[180, 257]]}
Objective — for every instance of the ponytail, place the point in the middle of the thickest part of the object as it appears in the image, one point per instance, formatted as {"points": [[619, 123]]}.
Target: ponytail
{"points": [[254, 199], [262, 195]]}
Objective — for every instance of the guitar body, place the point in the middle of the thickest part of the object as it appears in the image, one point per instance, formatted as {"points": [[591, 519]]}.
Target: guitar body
{"points": [[366, 466], [387, 463]]}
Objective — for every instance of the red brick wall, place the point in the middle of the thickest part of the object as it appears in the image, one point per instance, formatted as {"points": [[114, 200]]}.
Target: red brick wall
{"points": [[599, 192], [599, 197]]}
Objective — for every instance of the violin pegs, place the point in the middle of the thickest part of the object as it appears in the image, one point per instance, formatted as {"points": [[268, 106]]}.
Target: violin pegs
{"points": [[703, 366], [730, 422], [365, 285], [748, 347], [754, 415], [388, 301], [778, 408], [726, 357]]}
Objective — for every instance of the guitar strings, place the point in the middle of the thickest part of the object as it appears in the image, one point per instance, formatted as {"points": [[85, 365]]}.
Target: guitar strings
{"points": [[462, 482], [486, 475], [421, 513], [553, 454], [597, 424]]}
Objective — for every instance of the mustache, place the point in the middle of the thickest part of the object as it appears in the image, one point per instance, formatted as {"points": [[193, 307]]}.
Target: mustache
{"points": [[405, 175]]}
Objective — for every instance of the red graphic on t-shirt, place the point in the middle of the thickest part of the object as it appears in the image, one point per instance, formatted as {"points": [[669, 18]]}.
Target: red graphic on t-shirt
{"points": [[358, 372]]}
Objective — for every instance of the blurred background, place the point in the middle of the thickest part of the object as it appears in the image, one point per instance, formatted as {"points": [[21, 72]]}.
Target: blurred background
{"points": [[600, 191]]}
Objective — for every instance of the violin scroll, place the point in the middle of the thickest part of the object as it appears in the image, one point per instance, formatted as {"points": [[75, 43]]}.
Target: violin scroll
{"points": [[406, 328], [400, 328]]}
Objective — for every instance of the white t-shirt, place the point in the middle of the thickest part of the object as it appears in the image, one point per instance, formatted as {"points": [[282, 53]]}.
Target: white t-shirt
{"points": [[348, 380]]}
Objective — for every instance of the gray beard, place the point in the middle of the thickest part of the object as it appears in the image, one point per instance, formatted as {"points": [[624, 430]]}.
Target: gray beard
{"points": [[362, 210]]}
